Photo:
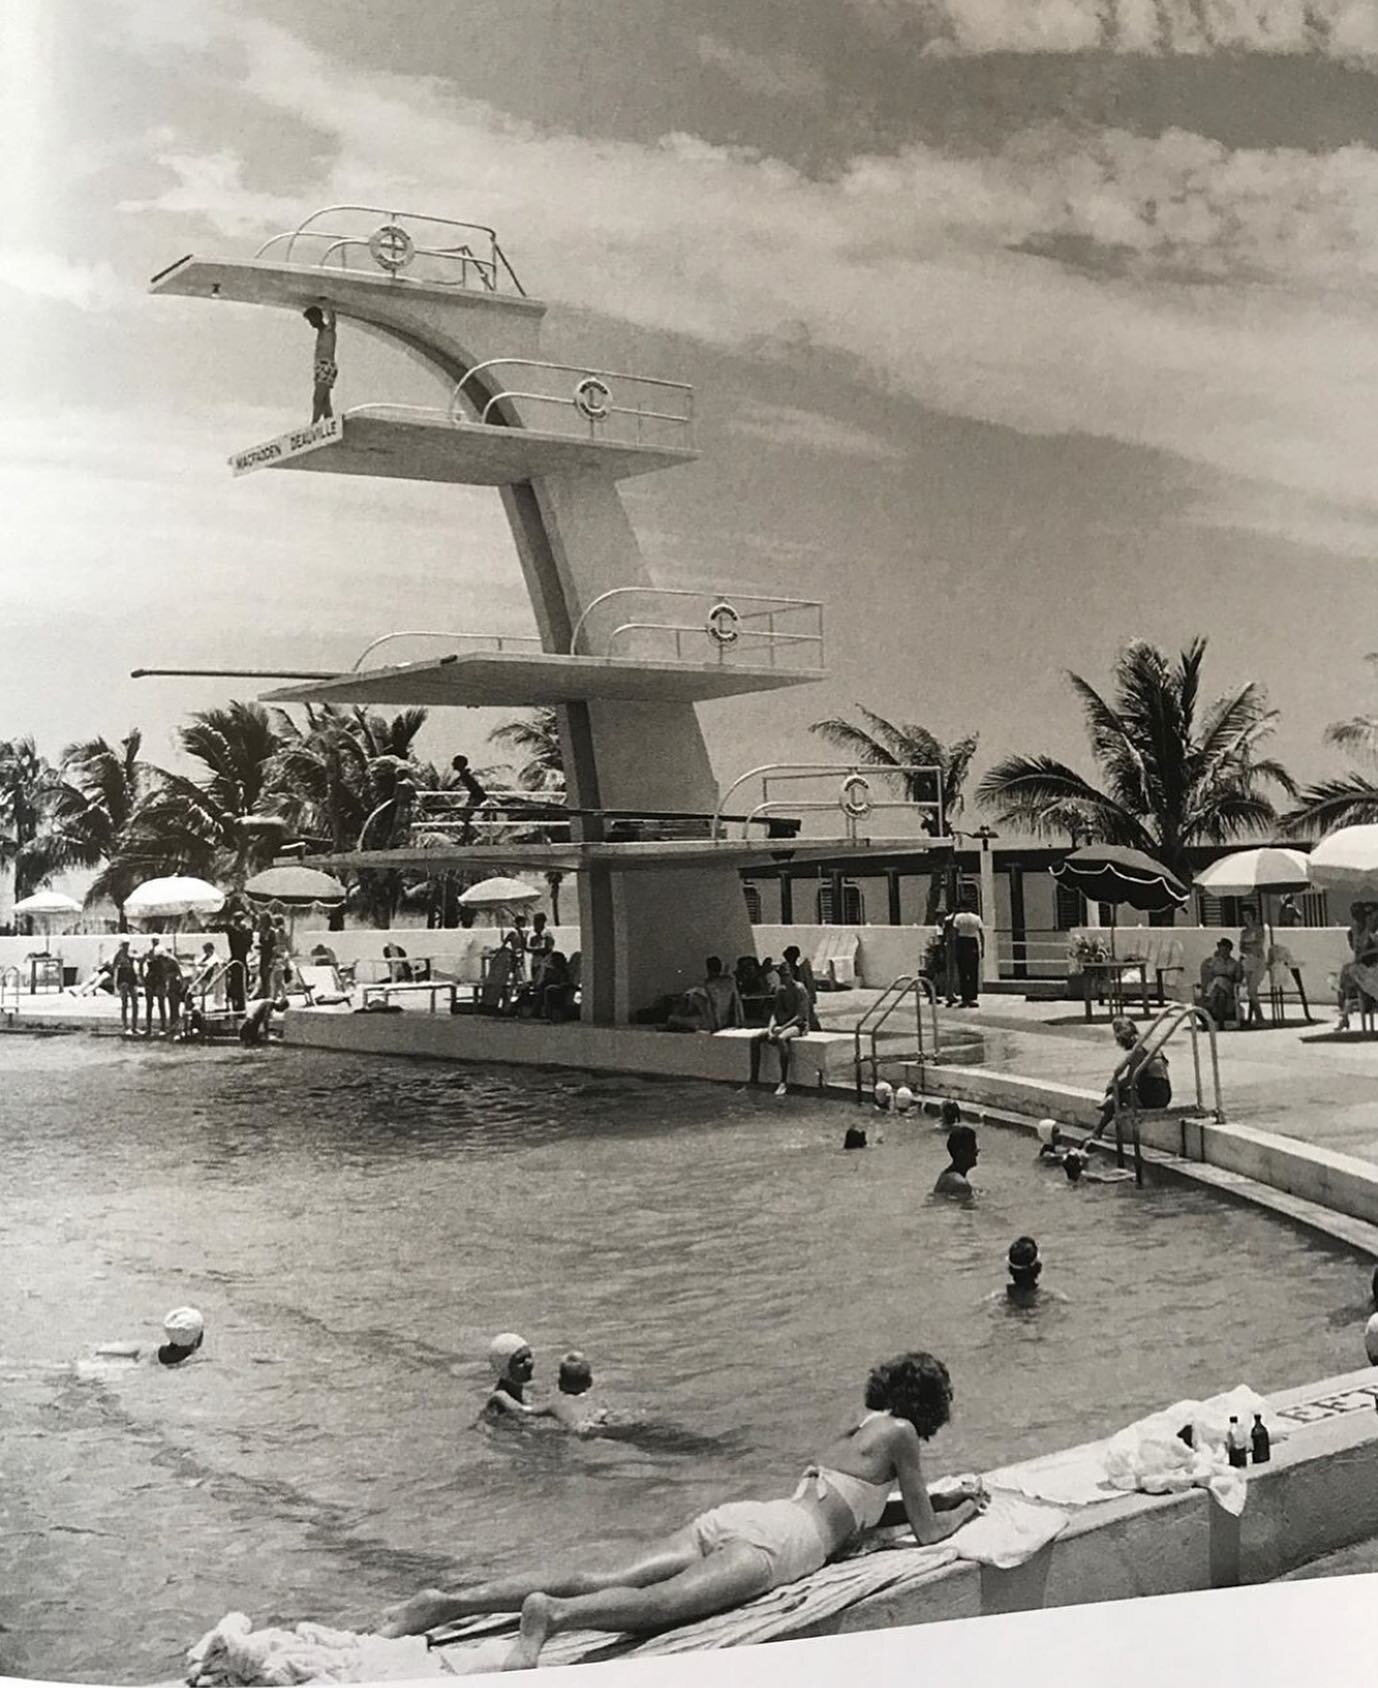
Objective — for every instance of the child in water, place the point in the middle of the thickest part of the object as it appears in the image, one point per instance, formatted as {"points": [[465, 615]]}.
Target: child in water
{"points": [[576, 1383]]}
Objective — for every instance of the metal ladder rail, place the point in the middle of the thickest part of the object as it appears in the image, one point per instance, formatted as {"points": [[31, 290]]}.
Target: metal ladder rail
{"points": [[8, 976], [869, 1026], [219, 977], [1167, 1023]]}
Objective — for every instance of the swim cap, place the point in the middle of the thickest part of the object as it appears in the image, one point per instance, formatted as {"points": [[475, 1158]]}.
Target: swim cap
{"points": [[1047, 1130], [503, 1347], [904, 1099], [183, 1326], [1023, 1253], [883, 1092]]}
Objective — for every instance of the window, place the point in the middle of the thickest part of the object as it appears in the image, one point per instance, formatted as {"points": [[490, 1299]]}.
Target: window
{"points": [[752, 893], [853, 904], [1070, 907]]}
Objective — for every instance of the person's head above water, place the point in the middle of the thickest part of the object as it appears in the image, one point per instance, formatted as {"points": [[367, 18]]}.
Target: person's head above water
{"points": [[949, 1114], [511, 1358], [185, 1331], [961, 1148], [1073, 1163], [1024, 1263], [883, 1094], [904, 1099], [576, 1374], [913, 1386], [855, 1138], [314, 316]]}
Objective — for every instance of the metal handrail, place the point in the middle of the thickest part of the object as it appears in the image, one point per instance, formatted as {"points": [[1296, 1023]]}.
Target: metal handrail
{"points": [[855, 780], [1168, 1022], [8, 974], [917, 985], [490, 270], [500, 640], [759, 608], [485, 401], [221, 975]]}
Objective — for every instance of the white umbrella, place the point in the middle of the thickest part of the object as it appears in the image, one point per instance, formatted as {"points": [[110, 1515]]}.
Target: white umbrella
{"points": [[1347, 862], [45, 907], [178, 894], [1247, 873], [499, 893], [295, 886]]}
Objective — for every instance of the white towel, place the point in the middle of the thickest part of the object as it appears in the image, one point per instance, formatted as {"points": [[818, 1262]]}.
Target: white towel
{"points": [[236, 1655]]}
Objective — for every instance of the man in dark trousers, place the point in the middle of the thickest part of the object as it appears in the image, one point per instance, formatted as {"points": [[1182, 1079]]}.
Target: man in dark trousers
{"points": [[240, 939]]}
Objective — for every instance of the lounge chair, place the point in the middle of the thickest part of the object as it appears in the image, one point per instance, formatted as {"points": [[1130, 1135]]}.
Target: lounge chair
{"points": [[834, 961], [322, 985]]}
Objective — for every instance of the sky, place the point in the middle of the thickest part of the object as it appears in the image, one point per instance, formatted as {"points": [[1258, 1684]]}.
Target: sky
{"points": [[1018, 328]]}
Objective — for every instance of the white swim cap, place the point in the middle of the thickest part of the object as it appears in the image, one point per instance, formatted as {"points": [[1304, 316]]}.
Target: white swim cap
{"points": [[883, 1092], [1371, 1340], [904, 1099], [502, 1348], [1046, 1129], [183, 1326]]}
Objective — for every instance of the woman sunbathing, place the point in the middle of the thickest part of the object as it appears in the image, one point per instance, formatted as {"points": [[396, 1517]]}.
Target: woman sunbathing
{"points": [[735, 1552]]}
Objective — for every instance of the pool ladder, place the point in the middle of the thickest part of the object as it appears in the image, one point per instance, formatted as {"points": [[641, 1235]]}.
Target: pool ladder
{"points": [[917, 987], [1167, 1024]]}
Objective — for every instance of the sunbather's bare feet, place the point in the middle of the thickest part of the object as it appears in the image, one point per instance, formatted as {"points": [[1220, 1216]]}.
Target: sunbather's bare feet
{"points": [[413, 1617], [782, 1090], [538, 1612]]}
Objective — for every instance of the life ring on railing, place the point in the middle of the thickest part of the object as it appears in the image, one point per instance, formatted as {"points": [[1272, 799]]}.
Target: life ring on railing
{"points": [[856, 796], [593, 398], [391, 247], [723, 624]]}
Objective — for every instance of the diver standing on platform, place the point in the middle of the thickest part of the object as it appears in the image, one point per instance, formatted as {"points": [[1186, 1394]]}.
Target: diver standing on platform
{"points": [[324, 371]]}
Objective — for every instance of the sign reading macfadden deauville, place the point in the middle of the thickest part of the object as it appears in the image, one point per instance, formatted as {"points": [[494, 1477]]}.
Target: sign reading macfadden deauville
{"points": [[300, 440]]}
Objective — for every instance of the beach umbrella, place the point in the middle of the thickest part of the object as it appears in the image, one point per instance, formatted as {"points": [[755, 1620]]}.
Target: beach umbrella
{"points": [[1113, 873], [46, 908], [176, 895], [499, 893], [1267, 870], [295, 886], [1347, 862]]}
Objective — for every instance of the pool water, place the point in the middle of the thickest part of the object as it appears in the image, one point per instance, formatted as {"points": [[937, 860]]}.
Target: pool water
{"points": [[355, 1230]]}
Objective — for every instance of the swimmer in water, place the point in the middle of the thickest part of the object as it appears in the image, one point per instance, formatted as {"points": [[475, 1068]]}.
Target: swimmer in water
{"points": [[855, 1138], [1078, 1169], [962, 1152], [573, 1406], [904, 1099], [949, 1116], [514, 1365], [184, 1330]]}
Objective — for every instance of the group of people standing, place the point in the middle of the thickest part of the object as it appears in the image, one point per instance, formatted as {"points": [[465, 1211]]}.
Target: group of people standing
{"points": [[156, 979], [528, 975]]}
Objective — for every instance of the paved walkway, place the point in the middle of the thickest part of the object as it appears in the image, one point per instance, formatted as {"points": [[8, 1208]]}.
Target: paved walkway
{"points": [[1308, 1082]]}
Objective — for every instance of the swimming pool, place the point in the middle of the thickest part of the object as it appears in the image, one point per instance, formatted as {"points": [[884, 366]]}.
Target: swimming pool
{"points": [[355, 1229]]}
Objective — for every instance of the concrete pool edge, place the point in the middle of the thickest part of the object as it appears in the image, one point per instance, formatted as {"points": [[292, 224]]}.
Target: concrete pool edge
{"points": [[1318, 1494]]}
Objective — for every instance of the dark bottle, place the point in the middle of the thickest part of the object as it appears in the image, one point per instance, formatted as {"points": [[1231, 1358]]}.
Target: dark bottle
{"points": [[1263, 1447], [1235, 1445]]}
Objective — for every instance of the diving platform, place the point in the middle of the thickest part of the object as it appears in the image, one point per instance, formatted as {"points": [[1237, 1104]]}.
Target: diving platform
{"points": [[397, 442], [641, 856], [479, 679]]}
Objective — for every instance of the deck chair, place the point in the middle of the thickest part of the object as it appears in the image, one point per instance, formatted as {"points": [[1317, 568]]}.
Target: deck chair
{"points": [[322, 985], [834, 961]]}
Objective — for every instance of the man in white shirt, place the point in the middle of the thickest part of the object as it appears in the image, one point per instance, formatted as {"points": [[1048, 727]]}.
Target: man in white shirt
{"points": [[968, 940]]}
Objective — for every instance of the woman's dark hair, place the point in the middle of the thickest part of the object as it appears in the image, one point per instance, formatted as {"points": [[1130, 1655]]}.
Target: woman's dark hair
{"points": [[913, 1386], [950, 1114]]}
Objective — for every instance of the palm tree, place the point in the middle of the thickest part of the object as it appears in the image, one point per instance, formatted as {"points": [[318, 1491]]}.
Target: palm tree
{"points": [[1348, 801], [889, 744], [536, 737], [348, 781], [1174, 772], [102, 788], [225, 825], [30, 842]]}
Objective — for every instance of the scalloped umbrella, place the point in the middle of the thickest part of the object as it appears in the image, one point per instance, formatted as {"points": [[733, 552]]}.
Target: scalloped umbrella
{"points": [[1113, 873], [47, 907], [295, 888], [177, 894]]}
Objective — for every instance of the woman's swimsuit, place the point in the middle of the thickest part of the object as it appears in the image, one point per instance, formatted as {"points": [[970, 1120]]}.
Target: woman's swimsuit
{"points": [[786, 1533]]}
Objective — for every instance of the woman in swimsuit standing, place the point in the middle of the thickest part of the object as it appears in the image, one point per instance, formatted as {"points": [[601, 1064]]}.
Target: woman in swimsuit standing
{"points": [[735, 1552]]}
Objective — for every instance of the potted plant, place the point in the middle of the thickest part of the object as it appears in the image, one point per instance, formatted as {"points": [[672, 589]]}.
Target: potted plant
{"points": [[1082, 949]]}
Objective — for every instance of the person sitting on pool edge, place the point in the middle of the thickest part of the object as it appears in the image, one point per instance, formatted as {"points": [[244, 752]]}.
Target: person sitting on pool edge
{"points": [[789, 1019], [731, 1554], [962, 1151], [1145, 1077]]}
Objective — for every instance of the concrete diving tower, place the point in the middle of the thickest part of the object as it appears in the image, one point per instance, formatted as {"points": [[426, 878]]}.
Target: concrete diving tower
{"points": [[554, 439]]}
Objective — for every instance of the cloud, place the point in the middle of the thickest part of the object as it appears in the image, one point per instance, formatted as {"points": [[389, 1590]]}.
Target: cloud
{"points": [[49, 276], [1344, 30], [778, 76], [809, 430], [1052, 287]]}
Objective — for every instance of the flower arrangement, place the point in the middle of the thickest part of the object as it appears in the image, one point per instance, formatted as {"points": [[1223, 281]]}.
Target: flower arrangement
{"points": [[1083, 949]]}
